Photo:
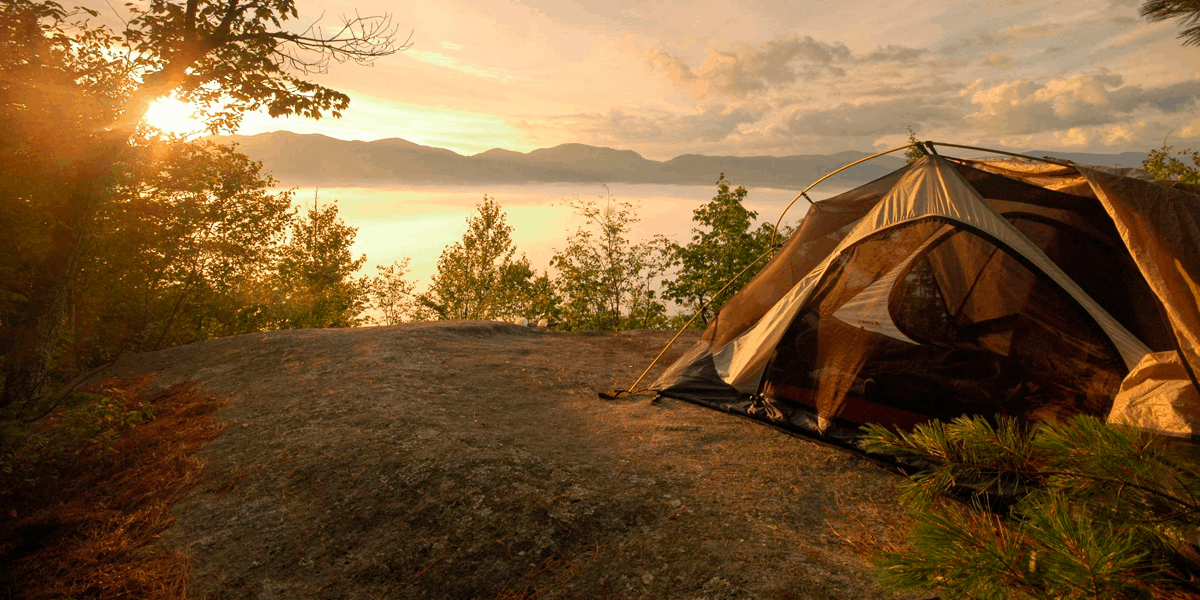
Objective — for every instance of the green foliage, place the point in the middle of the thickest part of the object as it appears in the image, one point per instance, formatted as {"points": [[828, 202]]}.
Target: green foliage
{"points": [[229, 57], [391, 293], [542, 299], [315, 286], [1186, 11], [912, 154], [1165, 167], [81, 425], [604, 279], [74, 95], [181, 254], [1093, 511], [58, 84], [480, 277], [718, 261]]}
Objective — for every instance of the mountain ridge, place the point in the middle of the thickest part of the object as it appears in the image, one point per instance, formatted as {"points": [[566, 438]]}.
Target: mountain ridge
{"points": [[317, 159]]}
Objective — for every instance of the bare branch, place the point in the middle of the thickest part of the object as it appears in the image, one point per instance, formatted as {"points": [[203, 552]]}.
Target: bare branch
{"points": [[360, 40]]}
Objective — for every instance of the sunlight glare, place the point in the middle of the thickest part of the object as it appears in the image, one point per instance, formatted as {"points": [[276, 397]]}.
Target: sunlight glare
{"points": [[173, 116]]}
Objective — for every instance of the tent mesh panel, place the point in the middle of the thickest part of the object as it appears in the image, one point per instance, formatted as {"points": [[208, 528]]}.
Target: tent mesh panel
{"points": [[993, 337]]}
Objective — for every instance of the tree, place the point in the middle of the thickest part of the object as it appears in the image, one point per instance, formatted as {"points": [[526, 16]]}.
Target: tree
{"points": [[74, 95], [181, 253], [542, 299], [1165, 167], [604, 279], [1187, 11], [479, 276], [723, 249], [315, 286], [912, 154], [391, 293], [1070, 510]]}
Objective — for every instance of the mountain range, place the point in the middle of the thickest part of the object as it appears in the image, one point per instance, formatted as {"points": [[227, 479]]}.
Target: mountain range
{"points": [[313, 159]]}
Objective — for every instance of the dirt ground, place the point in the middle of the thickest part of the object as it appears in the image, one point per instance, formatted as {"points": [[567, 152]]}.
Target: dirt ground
{"points": [[474, 460]]}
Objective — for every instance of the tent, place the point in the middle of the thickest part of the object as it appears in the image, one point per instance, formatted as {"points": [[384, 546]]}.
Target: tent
{"points": [[1012, 286]]}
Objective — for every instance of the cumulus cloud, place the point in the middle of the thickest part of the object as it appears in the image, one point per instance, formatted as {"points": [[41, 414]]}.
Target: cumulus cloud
{"points": [[894, 54], [999, 61], [792, 91], [985, 40], [876, 118], [1099, 98], [1035, 31], [743, 69], [709, 124]]}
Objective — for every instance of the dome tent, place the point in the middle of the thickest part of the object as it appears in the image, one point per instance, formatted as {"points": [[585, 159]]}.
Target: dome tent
{"points": [[954, 287]]}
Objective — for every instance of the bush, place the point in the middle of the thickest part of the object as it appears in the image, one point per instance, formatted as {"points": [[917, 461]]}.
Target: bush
{"points": [[79, 426], [1072, 510]]}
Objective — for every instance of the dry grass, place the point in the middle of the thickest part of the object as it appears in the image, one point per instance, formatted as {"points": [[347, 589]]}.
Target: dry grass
{"points": [[91, 532], [871, 529]]}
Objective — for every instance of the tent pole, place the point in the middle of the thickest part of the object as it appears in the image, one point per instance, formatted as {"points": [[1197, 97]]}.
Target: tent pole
{"points": [[633, 388], [919, 146], [1054, 161], [771, 248], [804, 194]]}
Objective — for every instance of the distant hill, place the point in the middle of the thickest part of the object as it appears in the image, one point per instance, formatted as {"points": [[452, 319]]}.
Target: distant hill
{"points": [[1124, 159], [313, 159], [309, 159]]}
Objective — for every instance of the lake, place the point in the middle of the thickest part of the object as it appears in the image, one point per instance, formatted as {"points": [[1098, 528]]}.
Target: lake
{"points": [[420, 221]]}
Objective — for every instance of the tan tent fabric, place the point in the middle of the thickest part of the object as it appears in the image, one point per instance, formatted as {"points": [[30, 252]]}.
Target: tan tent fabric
{"points": [[1161, 227], [1158, 396], [868, 310], [826, 224], [931, 187], [1060, 178], [956, 287]]}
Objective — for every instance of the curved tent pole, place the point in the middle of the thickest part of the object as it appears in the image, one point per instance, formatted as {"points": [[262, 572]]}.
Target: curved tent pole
{"points": [[774, 233], [920, 146], [804, 194], [771, 248], [1045, 159], [633, 388]]}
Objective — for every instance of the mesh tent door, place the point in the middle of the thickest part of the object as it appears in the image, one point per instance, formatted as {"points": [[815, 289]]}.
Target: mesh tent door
{"points": [[965, 327]]}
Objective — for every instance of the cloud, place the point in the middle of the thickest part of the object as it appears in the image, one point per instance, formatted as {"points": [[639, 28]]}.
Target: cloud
{"points": [[999, 61], [744, 69], [1099, 98], [894, 54], [441, 60], [1036, 31], [877, 118], [677, 71], [620, 127], [985, 40]]}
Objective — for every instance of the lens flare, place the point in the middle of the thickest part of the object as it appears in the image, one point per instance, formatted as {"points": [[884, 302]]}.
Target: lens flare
{"points": [[173, 116]]}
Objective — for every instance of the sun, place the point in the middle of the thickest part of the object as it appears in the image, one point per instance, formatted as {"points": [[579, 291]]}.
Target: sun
{"points": [[173, 116]]}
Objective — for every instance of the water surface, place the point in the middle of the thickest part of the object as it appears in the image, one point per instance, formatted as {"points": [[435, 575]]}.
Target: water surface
{"points": [[418, 222]]}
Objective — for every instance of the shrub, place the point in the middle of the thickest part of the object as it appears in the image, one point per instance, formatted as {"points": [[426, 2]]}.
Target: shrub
{"points": [[1056, 510]]}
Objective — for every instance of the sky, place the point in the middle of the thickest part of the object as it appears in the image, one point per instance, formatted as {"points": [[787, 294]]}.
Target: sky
{"points": [[765, 77]]}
